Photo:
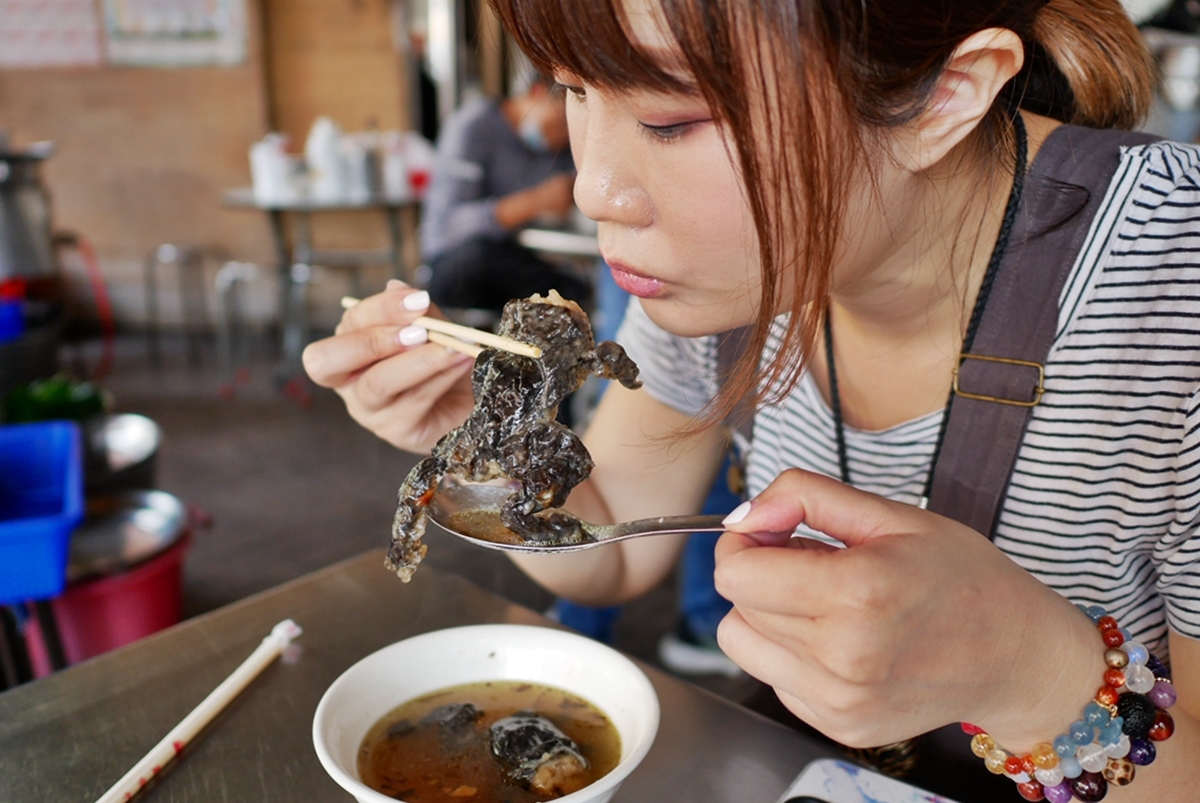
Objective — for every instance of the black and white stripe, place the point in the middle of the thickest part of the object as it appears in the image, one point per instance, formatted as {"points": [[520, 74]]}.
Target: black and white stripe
{"points": [[1104, 504]]}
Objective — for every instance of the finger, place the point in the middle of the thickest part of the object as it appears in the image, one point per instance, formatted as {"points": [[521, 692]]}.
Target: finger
{"points": [[771, 663], [384, 382], [336, 360], [782, 579], [417, 402], [398, 305], [826, 505]]}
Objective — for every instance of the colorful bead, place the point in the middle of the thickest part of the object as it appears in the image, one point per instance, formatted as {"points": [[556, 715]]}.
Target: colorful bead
{"points": [[1044, 756], [1070, 767], [1158, 668], [1139, 679], [1138, 713], [1163, 694], [1096, 715], [982, 744], [1050, 777], [1031, 790], [1162, 728], [1116, 658], [1060, 793], [1120, 771], [1089, 787], [1114, 678], [1137, 652], [1091, 757], [1110, 733], [1115, 734], [1142, 751], [1120, 749]]}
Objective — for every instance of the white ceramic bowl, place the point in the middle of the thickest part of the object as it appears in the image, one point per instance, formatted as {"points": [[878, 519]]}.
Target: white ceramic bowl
{"points": [[432, 661]]}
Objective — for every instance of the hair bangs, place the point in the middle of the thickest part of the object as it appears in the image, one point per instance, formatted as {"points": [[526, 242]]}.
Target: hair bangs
{"points": [[589, 40]]}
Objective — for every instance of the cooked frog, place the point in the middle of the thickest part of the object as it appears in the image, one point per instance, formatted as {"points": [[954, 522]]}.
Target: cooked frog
{"points": [[513, 432]]}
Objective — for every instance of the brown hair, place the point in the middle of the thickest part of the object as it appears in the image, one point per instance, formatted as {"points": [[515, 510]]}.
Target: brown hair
{"points": [[856, 67]]}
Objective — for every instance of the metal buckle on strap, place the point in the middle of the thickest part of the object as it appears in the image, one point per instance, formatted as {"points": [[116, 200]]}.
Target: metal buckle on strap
{"points": [[1038, 391]]}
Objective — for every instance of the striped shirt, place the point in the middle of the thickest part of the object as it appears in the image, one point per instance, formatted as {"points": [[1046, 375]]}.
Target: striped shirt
{"points": [[1104, 501]]}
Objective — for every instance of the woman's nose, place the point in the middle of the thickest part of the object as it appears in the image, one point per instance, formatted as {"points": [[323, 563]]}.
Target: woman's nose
{"points": [[607, 189]]}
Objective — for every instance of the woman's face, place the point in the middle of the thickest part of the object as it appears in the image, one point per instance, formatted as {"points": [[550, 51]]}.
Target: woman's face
{"points": [[658, 176]]}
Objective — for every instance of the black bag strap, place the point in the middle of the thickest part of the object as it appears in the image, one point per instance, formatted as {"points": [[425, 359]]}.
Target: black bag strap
{"points": [[999, 383]]}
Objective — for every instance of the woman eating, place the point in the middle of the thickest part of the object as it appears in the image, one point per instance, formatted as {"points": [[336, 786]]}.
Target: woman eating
{"points": [[913, 255]]}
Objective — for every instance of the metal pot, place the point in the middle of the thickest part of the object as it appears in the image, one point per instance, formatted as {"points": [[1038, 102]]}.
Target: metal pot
{"points": [[26, 249], [124, 530]]}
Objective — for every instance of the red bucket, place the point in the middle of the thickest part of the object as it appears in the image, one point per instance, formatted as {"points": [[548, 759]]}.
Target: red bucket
{"points": [[118, 594]]}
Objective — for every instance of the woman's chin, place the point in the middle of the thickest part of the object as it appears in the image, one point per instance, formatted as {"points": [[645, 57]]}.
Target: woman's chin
{"points": [[674, 313]]}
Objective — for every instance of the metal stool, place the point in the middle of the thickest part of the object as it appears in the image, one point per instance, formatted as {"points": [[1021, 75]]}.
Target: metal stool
{"points": [[231, 325], [191, 262]]}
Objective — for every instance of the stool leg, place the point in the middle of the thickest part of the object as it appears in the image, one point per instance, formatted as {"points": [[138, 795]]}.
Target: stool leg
{"points": [[152, 343], [191, 287], [49, 626], [225, 284], [14, 660]]}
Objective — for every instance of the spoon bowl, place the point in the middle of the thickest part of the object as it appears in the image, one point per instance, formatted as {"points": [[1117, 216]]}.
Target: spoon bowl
{"points": [[472, 512]]}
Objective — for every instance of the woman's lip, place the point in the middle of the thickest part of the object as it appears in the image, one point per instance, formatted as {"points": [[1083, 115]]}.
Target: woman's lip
{"points": [[634, 283]]}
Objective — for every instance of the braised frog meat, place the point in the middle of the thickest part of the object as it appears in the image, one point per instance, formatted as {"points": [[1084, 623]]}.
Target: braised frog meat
{"points": [[513, 433], [537, 754]]}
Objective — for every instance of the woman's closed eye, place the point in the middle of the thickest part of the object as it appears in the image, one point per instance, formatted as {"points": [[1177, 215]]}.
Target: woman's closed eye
{"points": [[671, 131]]}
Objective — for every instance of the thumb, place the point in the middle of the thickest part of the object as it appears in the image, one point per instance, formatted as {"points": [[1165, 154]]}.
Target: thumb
{"points": [[840, 511]]}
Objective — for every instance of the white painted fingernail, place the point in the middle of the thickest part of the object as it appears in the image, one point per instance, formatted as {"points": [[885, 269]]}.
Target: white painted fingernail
{"points": [[413, 335], [395, 284], [739, 513], [416, 301]]}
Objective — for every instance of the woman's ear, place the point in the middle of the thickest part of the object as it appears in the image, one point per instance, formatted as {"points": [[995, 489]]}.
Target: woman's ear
{"points": [[965, 91]]}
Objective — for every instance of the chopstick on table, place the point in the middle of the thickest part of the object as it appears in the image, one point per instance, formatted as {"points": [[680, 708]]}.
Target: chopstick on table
{"points": [[173, 743], [462, 338]]}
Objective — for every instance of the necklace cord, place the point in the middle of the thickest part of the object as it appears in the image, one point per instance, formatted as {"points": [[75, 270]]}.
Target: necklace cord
{"points": [[985, 290]]}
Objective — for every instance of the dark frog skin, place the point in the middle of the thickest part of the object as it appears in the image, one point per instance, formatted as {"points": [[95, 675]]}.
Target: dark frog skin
{"points": [[513, 432]]}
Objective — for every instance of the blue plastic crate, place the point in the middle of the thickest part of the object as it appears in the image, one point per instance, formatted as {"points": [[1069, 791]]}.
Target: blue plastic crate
{"points": [[41, 502]]}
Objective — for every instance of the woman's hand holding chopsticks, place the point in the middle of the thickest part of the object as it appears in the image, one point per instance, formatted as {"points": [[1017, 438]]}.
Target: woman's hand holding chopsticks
{"points": [[394, 381]]}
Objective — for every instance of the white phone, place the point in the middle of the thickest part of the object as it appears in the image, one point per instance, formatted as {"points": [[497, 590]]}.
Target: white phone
{"points": [[828, 780]]}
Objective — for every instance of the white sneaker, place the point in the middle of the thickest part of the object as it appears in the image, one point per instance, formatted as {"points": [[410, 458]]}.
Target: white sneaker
{"points": [[684, 653]]}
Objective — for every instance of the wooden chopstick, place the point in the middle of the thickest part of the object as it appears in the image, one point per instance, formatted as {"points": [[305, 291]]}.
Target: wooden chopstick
{"points": [[464, 333], [478, 336], [454, 343]]}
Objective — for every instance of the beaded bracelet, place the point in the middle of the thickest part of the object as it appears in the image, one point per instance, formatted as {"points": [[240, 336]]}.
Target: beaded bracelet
{"points": [[1117, 732]]}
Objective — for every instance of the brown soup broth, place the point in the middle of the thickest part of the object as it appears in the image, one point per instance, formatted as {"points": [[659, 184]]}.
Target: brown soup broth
{"points": [[413, 765]]}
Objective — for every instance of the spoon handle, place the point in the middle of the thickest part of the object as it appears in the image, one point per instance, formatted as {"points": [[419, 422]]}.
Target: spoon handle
{"points": [[656, 526]]}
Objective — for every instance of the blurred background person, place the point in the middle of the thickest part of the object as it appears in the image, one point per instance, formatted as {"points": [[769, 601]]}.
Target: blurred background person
{"points": [[501, 165]]}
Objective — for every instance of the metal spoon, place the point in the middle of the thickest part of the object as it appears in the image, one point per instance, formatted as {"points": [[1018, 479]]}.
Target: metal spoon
{"points": [[472, 512]]}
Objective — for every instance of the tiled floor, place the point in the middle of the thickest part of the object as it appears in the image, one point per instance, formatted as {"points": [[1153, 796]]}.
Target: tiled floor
{"points": [[292, 490]]}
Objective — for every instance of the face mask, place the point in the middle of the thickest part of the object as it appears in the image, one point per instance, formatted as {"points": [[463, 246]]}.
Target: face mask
{"points": [[533, 137]]}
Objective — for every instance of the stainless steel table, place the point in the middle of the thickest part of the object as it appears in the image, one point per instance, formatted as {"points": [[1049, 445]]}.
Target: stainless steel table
{"points": [[295, 256], [68, 737]]}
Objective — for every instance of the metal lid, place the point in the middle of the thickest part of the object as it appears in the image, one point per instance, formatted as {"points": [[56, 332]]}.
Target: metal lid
{"points": [[124, 530]]}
